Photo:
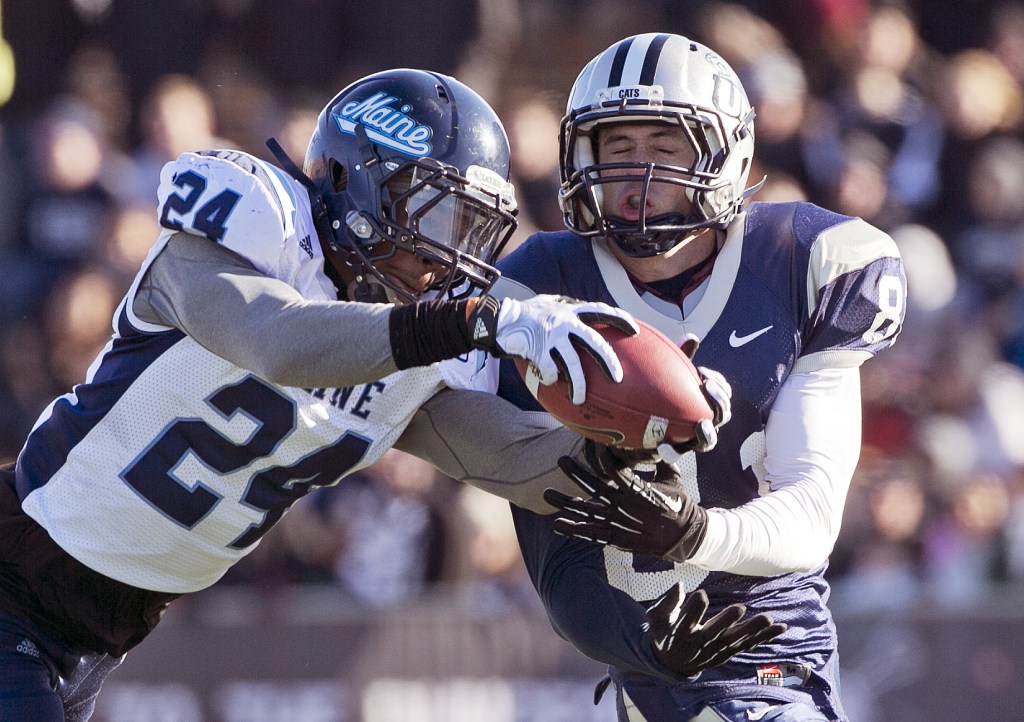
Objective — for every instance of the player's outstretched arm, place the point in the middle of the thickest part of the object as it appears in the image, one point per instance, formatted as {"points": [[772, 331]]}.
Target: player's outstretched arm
{"points": [[478, 438], [687, 644]]}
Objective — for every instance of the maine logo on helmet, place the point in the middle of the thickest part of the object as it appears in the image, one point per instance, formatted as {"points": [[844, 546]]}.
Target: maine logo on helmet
{"points": [[386, 125], [409, 161]]}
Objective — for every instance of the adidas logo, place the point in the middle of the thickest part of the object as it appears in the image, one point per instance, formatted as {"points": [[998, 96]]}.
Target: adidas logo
{"points": [[25, 646], [481, 330]]}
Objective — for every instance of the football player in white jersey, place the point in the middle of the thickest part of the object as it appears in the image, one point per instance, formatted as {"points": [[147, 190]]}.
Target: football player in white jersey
{"points": [[787, 300], [284, 331]]}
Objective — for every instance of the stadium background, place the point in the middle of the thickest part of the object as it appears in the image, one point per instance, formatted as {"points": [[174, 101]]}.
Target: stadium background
{"points": [[399, 596]]}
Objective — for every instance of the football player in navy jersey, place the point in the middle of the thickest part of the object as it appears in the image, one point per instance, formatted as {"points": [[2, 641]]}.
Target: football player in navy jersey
{"points": [[286, 329], [786, 300]]}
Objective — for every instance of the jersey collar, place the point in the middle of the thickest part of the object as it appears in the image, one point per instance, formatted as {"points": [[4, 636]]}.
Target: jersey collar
{"points": [[707, 311]]}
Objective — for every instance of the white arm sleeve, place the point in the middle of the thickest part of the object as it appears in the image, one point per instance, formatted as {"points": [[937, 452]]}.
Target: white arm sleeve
{"points": [[813, 442], [260, 323], [485, 441]]}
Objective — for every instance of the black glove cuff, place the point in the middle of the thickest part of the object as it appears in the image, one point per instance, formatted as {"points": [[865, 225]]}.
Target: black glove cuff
{"points": [[696, 529], [428, 331], [483, 326]]}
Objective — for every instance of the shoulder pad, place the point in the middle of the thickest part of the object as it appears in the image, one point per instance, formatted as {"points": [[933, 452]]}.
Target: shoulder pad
{"points": [[844, 248], [856, 294], [232, 198]]}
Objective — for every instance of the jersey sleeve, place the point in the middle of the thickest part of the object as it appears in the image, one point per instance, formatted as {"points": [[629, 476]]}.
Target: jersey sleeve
{"points": [[231, 198], [856, 292]]}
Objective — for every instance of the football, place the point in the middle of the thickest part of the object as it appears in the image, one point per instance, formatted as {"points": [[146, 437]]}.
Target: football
{"points": [[660, 398]]}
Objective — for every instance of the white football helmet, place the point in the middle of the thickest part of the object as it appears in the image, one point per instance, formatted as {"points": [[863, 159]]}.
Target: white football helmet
{"points": [[657, 77]]}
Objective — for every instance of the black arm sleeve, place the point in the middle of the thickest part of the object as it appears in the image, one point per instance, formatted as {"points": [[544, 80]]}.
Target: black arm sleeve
{"points": [[428, 331]]}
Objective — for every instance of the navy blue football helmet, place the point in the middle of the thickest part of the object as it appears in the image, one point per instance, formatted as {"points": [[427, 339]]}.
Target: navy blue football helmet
{"points": [[419, 160]]}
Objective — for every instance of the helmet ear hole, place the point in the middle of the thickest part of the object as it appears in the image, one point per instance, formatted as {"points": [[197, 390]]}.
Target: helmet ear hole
{"points": [[339, 175]]}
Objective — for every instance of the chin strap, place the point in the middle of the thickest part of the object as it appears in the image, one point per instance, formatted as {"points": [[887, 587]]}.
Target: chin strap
{"points": [[321, 218], [367, 289], [289, 166]]}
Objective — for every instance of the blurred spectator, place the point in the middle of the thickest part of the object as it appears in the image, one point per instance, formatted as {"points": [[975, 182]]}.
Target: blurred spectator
{"points": [[395, 534], [68, 207], [133, 230], [888, 127], [1006, 38], [177, 116], [50, 350], [880, 547], [77, 323], [963, 550], [496, 577], [777, 88], [990, 247], [533, 131], [65, 206], [295, 129], [973, 422], [861, 187], [95, 77], [978, 98]]}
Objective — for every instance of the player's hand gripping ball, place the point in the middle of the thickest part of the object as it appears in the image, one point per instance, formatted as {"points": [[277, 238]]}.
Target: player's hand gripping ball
{"points": [[660, 400]]}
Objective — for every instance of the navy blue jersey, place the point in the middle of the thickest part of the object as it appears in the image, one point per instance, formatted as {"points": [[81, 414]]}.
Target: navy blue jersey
{"points": [[794, 288]]}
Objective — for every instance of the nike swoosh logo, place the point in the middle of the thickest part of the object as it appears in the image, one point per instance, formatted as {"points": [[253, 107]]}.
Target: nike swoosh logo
{"points": [[752, 715], [674, 503], [737, 341]]}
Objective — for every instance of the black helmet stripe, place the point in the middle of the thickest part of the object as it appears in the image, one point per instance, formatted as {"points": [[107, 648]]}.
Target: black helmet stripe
{"points": [[615, 79], [651, 59], [645, 70]]}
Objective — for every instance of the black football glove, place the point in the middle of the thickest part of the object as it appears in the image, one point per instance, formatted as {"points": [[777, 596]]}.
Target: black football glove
{"points": [[686, 645], [625, 510], [719, 395]]}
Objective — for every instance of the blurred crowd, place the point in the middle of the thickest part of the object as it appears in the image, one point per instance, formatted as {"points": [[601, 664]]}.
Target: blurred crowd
{"points": [[907, 114]]}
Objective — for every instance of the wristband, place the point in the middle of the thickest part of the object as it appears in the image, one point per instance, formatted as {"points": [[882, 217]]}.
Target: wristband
{"points": [[425, 332]]}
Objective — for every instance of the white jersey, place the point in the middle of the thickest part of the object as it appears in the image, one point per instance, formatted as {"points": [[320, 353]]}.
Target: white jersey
{"points": [[170, 463]]}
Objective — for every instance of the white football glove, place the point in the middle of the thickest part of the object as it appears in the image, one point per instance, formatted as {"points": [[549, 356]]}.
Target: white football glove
{"points": [[719, 395], [542, 330]]}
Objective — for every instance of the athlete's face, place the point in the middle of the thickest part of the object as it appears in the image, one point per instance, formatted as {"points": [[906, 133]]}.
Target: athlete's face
{"points": [[408, 271], [643, 143]]}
